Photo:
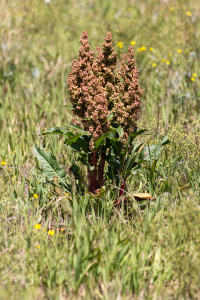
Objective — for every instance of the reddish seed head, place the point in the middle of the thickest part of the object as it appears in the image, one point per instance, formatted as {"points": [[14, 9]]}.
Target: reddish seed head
{"points": [[98, 90]]}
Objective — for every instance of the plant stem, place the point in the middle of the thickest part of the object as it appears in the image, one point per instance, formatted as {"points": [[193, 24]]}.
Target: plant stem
{"points": [[121, 192], [92, 175]]}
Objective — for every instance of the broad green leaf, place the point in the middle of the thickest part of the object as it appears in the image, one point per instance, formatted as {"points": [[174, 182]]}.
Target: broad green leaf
{"points": [[112, 134], [145, 152], [80, 130], [69, 134], [70, 141], [55, 130], [153, 152], [120, 131], [100, 141], [51, 167], [79, 143], [74, 126]]}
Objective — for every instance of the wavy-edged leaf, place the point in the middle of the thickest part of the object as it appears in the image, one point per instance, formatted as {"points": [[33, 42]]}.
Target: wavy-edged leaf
{"points": [[51, 167]]}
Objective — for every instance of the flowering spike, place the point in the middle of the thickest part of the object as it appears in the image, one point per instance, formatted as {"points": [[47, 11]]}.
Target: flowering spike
{"points": [[97, 90]]}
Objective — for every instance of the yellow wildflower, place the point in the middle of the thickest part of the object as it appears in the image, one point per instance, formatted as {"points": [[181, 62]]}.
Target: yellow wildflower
{"points": [[154, 65], [179, 50], [188, 13], [66, 194], [192, 79], [35, 196], [3, 163], [143, 48], [168, 62], [120, 45], [163, 60], [132, 43], [51, 232], [169, 54], [151, 49], [38, 246], [194, 75], [37, 226], [171, 8]]}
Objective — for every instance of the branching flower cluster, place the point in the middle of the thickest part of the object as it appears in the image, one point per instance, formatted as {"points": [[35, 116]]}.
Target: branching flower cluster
{"points": [[100, 94]]}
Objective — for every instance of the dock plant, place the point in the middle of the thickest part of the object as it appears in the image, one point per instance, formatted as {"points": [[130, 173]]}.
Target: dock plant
{"points": [[105, 101]]}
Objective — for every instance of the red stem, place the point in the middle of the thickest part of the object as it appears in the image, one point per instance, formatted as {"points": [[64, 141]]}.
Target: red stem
{"points": [[121, 192], [92, 175]]}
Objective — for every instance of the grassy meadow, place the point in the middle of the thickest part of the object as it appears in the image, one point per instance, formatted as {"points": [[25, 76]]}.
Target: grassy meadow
{"points": [[92, 250]]}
